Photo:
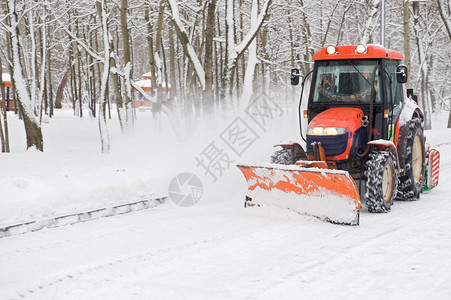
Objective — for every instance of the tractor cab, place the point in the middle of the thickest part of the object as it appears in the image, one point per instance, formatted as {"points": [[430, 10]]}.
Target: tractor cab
{"points": [[355, 97]]}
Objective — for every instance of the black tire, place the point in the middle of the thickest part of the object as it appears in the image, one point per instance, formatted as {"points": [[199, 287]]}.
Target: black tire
{"points": [[283, 157], [411, 183], [381, 181], [288, 155]]}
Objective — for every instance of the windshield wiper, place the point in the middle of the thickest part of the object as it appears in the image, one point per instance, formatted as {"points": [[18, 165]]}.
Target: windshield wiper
{"points": [[358, 71]]}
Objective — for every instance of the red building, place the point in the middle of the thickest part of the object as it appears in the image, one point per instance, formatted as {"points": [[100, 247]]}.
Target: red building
{"points": [[146, 85], [6, 79]]}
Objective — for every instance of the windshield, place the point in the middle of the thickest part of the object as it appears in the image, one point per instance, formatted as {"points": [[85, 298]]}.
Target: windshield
{"points": [[345, 81]]}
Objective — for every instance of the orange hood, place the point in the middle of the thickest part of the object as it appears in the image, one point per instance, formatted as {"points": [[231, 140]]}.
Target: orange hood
{"points": [[346, 117]]}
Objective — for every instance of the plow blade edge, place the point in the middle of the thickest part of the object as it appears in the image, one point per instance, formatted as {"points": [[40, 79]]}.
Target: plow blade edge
{"points": [[330, 195]]}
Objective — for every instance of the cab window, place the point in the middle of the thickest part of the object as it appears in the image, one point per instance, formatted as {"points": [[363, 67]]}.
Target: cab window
{"points": [[347, 81]]}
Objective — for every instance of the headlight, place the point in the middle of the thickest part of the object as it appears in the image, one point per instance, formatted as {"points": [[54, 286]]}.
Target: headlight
{"points": [[331, 131], [331, 50], [326, 130], [360, 49], [316, 130]]}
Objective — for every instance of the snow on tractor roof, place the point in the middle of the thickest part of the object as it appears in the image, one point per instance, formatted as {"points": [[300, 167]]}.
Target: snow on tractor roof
{"points": [[351, 52]]}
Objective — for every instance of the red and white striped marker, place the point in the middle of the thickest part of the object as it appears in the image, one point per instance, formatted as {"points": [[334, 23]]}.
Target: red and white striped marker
{"points": [[433, 168]]}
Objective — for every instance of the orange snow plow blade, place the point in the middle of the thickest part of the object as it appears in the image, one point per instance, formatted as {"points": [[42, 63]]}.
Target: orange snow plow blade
{"points": [[330, 195]]}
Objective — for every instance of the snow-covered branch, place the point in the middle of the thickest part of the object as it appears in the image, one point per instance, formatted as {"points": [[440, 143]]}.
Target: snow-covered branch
{"points": [[183, 36]]}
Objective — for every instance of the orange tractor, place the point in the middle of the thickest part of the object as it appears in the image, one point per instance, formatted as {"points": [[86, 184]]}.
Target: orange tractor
{"points": [[364, 140]]}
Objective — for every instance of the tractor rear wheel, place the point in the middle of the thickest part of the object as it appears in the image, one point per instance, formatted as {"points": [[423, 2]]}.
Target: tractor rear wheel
{"points": [[411, 183], [381, 181]]}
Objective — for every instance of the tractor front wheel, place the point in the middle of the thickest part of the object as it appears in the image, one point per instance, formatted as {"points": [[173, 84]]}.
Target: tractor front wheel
{"points": [[283, 156], [288, 155], [381, 181]]}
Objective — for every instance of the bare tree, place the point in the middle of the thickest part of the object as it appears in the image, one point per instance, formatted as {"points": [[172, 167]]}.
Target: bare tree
{"points": [[4, 132], [103, 16], [127, 62], [252, 60], [234, 51], [371, 21], [446, 19], [209, 36], [186, 43], [31, 117]]}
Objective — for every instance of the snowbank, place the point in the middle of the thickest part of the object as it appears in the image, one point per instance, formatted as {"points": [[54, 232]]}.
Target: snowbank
{"points": [[72, 175]]}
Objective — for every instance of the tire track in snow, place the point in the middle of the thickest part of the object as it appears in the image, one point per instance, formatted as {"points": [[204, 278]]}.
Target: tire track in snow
{"points": [[36, 237], [137, 257], [306, 271], [441, 144], [130, 261]]}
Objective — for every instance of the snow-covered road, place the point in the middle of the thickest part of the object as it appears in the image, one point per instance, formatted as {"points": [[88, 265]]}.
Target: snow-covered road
{"points": [[221, 251], [215, 249]]}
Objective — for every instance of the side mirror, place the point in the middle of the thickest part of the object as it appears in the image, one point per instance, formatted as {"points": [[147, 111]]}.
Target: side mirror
{"points": [[401, 74], [295, 74]]}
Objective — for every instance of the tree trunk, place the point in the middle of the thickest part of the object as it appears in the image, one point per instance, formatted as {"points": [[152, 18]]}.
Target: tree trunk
{"points": [[307, 36], [165, 71], [3, 114], [343, 18], [73, 78], [32, 130], [157, 59], [104, 136], [187, 47], [31, 122], [447, 23], [424, 69], [209, 35], [172, 66], [4, 131], [371, 21], [153, 80], [127, 63], [60, 90], [80, 81], [230, 53], [117, 90], [50, 85], [252, 60], [406, 27], [233, 52]]}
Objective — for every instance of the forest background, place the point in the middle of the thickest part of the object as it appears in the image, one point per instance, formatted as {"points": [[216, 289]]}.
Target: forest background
{"points": [[214, 54]]}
